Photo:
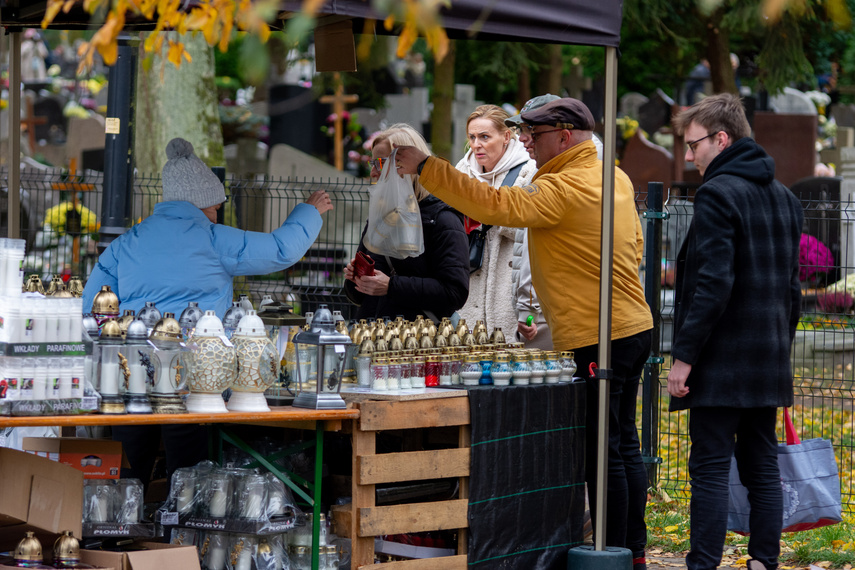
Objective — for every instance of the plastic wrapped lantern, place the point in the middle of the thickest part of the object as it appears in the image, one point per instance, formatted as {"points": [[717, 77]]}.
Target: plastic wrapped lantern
{"points": [[330, 349], [110, 360], [189, 316], [172, 357], [142, 368], [258, 365], [214, 366]]}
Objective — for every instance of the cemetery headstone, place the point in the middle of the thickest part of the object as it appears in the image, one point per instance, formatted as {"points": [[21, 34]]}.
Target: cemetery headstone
{"points": [[820, 198], [656, 112], [84, 134], [792, 102], [846, 171], [790, 140], [631, 103], [843, 115], [462, 106], [646, 162], [411, 108]]}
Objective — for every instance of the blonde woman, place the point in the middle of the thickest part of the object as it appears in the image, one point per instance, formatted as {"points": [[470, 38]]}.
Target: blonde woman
{"points": [[494, 154]]}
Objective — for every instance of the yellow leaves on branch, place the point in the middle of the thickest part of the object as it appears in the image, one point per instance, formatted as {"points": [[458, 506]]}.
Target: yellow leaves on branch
{"points": [[215, 19], [419, 17]]}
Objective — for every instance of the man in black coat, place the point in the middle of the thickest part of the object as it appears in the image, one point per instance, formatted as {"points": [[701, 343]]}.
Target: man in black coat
{"points": [[737, 306]]}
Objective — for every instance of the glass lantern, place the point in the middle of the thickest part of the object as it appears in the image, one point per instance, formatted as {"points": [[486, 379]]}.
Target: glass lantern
{"points": [[173, 360], [105, 305], [111, 365], [214, 366], [142, 368], [331, 349]]}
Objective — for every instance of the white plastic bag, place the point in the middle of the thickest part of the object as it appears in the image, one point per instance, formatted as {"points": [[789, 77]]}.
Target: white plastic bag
{"points": [[394, 219]]}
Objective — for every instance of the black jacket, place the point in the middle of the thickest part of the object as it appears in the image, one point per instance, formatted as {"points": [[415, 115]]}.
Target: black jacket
{"points": [[738, 291], [436, 281]]}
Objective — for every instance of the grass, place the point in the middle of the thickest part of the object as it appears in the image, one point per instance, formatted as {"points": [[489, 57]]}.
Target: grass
{"points": [[832, 547]]}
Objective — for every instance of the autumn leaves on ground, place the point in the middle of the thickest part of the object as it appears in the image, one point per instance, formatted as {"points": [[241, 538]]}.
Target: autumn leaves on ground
{"points": [[819, 413]]}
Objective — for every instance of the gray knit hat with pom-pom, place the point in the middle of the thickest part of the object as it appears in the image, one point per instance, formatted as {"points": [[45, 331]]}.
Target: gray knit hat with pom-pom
{"points": [[186, 177]]}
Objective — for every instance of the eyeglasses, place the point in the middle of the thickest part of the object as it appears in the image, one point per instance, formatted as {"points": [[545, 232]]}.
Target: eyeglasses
{"points": [[378, 163], [693, 145], [527, 131]]}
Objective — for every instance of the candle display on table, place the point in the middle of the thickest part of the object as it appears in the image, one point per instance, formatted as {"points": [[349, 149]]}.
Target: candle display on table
{"points": [[110, 345]]}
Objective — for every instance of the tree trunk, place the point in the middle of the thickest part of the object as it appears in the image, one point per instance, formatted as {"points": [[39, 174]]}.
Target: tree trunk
{"points": [[718, 54], [551, 67], [523, 86], [443, 99], [181, 104]]}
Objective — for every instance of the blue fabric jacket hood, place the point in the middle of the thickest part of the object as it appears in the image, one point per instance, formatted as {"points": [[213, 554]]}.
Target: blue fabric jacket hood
{"points": [[177, 255]]}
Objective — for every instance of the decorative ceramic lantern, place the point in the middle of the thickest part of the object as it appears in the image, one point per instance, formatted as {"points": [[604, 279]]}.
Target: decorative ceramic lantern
{"points": [[214, 366], [109, 374], [105, 305], [140, 368], [330, 349], [173, 359], [258, 365]]}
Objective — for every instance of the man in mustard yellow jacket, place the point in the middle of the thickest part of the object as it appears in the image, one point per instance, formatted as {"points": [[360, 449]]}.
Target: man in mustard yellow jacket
{"points": [[562, 209]]}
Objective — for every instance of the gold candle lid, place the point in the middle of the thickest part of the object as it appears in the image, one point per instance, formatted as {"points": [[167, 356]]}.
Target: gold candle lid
{"points": [[105, 302], [502, 357], [34, 284], [75, 286], [111, 330], [29, 548], [66, 547], [166, 329]]}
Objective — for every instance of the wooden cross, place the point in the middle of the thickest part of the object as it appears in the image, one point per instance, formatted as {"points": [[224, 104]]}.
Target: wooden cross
{"points": [[29, 123], [74, 184], [338, 100]]}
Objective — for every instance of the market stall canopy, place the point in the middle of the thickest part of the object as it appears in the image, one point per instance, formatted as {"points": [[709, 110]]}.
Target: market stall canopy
{"points": [[552, 21]]}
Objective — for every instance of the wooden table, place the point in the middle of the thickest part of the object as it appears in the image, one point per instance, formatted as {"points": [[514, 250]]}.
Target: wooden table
{"points": [[298, 418]]}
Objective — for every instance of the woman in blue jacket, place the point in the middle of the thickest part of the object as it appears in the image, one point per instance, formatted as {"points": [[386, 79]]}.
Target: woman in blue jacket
{"points": [[179, 254]]}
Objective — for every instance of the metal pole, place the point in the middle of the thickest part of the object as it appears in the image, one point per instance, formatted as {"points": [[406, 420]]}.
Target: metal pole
{"points": [[220, 172], [652, 288], [118, 144], [14, 213], [604, 357]]}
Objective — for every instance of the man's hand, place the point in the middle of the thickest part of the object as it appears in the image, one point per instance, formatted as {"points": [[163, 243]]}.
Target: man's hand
{"points": [[375, 285], [677, 377], [408, 159], [320, 200], [527, 332]]}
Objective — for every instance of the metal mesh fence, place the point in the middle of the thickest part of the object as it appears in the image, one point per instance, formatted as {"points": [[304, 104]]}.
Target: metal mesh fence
{"points": [[823, 354]]}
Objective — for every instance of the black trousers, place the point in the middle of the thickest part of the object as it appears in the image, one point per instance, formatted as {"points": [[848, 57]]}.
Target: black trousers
{"points": [[185, 445], [627, 478], [717, 435]]}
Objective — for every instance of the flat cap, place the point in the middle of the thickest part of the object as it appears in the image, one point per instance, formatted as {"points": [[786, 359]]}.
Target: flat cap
{"points": [[530, 105], [566, 113]]}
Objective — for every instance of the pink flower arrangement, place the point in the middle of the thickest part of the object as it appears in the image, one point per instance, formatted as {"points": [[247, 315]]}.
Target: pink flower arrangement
{"points": [[814, 258]]}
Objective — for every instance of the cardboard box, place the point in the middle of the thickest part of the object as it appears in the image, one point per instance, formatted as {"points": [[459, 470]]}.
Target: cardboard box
{"points": [[157, 556], [96, 458], [39, 495]]}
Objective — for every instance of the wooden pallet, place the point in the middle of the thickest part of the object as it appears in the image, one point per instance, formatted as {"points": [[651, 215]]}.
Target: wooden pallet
{"points": [[370, 468]]}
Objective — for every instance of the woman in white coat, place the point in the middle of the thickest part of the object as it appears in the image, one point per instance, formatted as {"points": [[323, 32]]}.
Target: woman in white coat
{"points": [[494, 153]]}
